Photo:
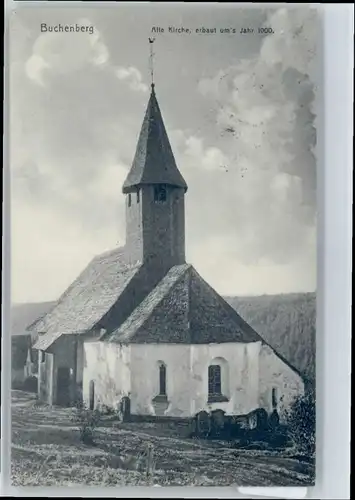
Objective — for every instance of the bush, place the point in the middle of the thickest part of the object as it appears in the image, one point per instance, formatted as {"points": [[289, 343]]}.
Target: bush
{"points": [[301, 423], [87, 421]]}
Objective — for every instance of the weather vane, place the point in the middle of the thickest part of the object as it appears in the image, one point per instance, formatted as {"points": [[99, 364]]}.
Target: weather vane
{"points": [[151, 61]]}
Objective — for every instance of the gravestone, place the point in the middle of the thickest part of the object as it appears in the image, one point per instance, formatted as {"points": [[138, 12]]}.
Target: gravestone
{"points": [[258, 419], [203, 424], [217, 422], [234, 426], [125, 408], [262, 419], [274, 421], [252, 421]]}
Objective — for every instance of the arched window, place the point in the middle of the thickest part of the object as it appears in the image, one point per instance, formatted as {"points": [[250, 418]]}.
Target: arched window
{"points": [[129, 199], [218, 380], [162, 380], [274, 398], [214, 380], [91, 395], [138, 195]]}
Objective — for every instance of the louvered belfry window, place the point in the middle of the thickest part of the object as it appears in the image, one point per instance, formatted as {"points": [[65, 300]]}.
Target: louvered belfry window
{"points": [[160, 193], [214, 380]]}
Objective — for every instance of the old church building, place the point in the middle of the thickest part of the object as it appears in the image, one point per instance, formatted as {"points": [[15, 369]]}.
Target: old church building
{"points": [[140, 322]]}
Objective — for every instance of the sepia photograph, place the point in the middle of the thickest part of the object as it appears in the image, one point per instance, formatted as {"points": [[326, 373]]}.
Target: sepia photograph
{"points": [[163, 167]]}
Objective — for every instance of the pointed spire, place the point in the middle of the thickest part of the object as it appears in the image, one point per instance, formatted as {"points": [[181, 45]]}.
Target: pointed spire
{"points": [[154, 161]]}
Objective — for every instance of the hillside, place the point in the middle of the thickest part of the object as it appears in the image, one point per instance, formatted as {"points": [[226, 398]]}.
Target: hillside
{"points": [[22, 315], [287, 322]]}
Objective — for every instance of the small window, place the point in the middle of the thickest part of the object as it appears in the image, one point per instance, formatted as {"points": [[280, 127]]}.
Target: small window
{"points": [[214, 380], [160, 193], [162, 380], [92, 395], [129, 200], [274, 397], [138, 196]]}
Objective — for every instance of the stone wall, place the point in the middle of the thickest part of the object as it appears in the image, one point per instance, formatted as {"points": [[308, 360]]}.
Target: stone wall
{"points": [[107, 365], [276, 374], [249, 373], [79, 362], [134, 228], [239, 387], [46, 378], [134, 370], [145, 361], [155, 231], [64, 350]]}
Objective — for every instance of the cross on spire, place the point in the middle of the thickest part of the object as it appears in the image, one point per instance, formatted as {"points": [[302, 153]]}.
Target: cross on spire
{"points": [[151, 60], [154, 162]]}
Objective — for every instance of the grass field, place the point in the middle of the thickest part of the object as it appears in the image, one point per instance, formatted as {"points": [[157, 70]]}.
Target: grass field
{"points": [[46, 451]]}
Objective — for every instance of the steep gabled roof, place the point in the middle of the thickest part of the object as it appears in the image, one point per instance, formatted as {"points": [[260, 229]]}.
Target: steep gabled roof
{"points": [[45, 341], [154, 161], [171, 290], [183, 308], [88, 299]]}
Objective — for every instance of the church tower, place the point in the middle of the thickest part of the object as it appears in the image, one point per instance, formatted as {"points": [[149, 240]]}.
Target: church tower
{"points": [[155, 192]]}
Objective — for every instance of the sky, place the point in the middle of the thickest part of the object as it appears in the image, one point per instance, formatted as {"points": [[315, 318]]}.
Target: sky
{"points": [[239, 110]]}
